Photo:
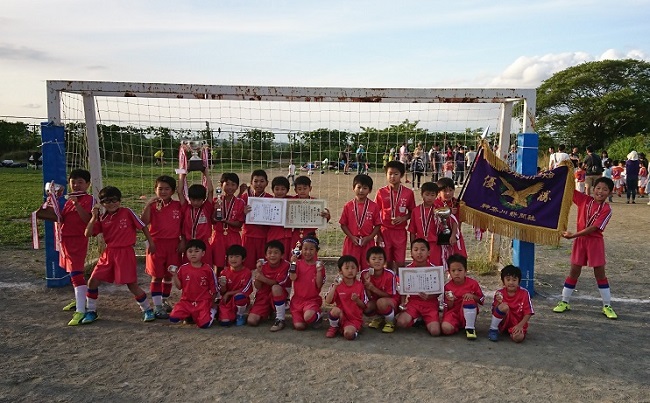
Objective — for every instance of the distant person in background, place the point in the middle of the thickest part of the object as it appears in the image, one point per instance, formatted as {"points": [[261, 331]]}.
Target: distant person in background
{"points": [[632, 168], [511, 158], [158, 155], [344, 157], [575, 157], [469, 157], [361, 159], [292, 172], [604, 157], [558, 157], [594, 169]]}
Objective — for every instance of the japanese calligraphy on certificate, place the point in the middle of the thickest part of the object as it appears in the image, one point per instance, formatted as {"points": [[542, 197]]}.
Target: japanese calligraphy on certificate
{"points": [[267, 211], [305, 213], [414, 280]]}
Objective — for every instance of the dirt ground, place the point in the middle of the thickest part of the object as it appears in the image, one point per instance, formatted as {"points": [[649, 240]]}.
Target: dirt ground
{"points": [[576, 356]]}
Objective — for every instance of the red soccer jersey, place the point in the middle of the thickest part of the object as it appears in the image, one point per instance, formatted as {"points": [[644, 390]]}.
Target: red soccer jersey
{"points": [[591, 214], [237, 280], [254, 230], [423, 224], [579, 175], [232, 210], [617, 172], [361, 218], [119, 228], [165, 220], [278, 274], [71, 222], [343, 300], [394, 203], [386, 282], [197, 283], [470, 286], [300, 233], [276, 232], [519, 304], [452, 204], [197, 222], [304, 287]]}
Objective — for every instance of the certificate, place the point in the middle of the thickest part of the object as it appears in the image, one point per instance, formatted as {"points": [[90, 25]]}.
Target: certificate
{"points": [[428, 280], [305, 213], [267, 211]]}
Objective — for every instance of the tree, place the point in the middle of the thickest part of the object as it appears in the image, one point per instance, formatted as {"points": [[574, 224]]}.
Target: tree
{"points": [[596, 102]]}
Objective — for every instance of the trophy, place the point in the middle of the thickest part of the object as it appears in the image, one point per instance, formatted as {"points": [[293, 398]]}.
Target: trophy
{"points": [[218, 212], [196, 162], [172, 269], [54, 189], [444, 235], [296, 253]]}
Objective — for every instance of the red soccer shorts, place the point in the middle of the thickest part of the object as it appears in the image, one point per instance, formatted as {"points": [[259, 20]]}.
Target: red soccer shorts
{"points": [[166, 254], [299, 307], [254, 251], [73, 254], [588, 251], [220, 243], [263, 305], [395, 244], [228, 310], [199, 311], [427, 310], [116, 265]]}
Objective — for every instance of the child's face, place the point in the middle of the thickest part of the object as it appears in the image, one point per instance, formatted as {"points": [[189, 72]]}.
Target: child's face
{"points": [[393, 176], [308, 251], [601, 192], [229, 187], [194, 254], [78, 185], [111, 204], [273, 256], [457, 272], [420, 253], [164, 191], [236, 262], [361, 191], [259, 183], [511, 283], [349, 270], [428, 198], [196, 203], [303, 191], [280, 191], [377, 261], [446, 193]]}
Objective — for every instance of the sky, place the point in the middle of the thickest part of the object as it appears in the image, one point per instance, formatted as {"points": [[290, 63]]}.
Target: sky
{"points": [[437, 44]]}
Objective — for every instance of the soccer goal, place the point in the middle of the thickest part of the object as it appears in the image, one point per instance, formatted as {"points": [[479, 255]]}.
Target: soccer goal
{"points": [[127, 134]]}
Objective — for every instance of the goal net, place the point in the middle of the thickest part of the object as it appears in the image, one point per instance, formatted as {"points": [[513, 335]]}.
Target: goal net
{"points": [[127, 134]]}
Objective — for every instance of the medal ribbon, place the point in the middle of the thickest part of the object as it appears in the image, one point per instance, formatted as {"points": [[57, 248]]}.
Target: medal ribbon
{"points": [[359, 219], [227, 211], [426, 222], [592, 218], [195, 219], [393, 204]]}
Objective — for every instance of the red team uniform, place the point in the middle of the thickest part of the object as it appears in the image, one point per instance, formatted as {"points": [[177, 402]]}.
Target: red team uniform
{"points": [[351, 314], [283, 235], [416, 307], [459, 244], [361, 219], [117, 263], [306, 296], [165, 229], [589, 250], [198, 286], [224, 235], [263, 304], [235, 280], [519, 306], [387, 283], [454, 315], [394, 203], [424, 224], [74, 244], [254, 236], [197, 224], [299, 233]]}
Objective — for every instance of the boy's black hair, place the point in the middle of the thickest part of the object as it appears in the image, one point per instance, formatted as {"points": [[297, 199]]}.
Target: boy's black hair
{"points": [[275, 244], [457, 258], [590, 148], [236, 250], [614, 162], [420, 240], [302, 180], [607, 181], [197, 192], [110, 191], [429, 187], [512, 271], [168, 180], [195, 243], [375, 250], [397, 165], [345, 259], [363, 180], [445, 183], [229, 176], [79, 174], [259, 172], [280, 181]]}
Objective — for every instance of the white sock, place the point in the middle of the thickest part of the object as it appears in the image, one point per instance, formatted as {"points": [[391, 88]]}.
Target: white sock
{"points": [[566, 294], [241, 310], [144, 305], [92, 304], [157, 300], [391, 316], [279, 311], [494, 325], [605, 294], [80, 297], [213, 313], [470, 317], [334, 322]]}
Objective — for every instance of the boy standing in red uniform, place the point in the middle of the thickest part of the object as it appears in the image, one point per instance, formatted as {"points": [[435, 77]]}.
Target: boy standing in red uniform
{"points": [[360, 219], [588, 245], [117, 264], [302, 186], [280, 188], [235, 286], [350, 298], [227, 229], [254, 236], [307, 275], [162, 215], [198, 284], [446, 198], [511, 308], [74, 244], [396, 203], [462, 297], [197, 213], [381, 288]]}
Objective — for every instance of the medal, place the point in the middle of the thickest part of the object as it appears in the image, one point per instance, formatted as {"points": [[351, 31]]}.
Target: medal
{"points": [[393, 204], [225, 230], [426, 219], [359, 218]]}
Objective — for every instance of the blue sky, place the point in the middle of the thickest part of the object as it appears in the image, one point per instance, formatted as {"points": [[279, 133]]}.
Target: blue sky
{"points": [[307, 43]]}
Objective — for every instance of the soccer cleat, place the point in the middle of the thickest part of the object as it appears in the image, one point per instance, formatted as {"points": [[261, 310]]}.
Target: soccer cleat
{"points": [[148, 315], [376, 323], [471, 334], [562, 307], [609, 312], [89, 317], [240, 321], [278, 325], [76, 319], [71, 306], [331, 332], [167, 306], [389, 327], [317, 324], [160, 313], [493, 335]]}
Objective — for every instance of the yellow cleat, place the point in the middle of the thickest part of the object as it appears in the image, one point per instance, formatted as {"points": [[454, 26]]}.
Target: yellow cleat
{"points": [[609, 312], [376, 323], [389, 327]]}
